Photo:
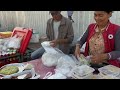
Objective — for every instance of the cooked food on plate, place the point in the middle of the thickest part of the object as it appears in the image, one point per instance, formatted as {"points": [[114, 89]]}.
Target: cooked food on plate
{"points": [[7, 70]]}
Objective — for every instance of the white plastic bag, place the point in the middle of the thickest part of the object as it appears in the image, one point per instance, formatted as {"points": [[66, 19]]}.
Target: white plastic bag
{"points": [[14, 42], [65, 64], [4, 41], [48, 48], [51, 56], [50, 59], [35, 38], [3, 44], [57, 76]]}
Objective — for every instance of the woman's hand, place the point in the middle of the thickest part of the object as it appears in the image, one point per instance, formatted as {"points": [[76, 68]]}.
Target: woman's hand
{"points": [[77, 51], [96, 59]]}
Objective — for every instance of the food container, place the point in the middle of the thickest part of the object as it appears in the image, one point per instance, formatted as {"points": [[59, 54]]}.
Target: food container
{"points": [[110, 70], [88, 76], [82, 72]]}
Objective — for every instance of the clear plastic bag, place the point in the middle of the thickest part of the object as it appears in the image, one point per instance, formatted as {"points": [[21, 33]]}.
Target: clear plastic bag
{"points": [[65, 64], [84, 60], [47, 47], [15, 42], [3, 44], [65, 61], [57, 76]]}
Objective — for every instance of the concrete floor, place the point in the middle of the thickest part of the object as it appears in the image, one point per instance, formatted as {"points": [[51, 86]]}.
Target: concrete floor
{"points": [[34, 46]]}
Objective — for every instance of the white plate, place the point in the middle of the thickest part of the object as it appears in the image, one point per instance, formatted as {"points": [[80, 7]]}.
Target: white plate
{"points": [[19, 65]]}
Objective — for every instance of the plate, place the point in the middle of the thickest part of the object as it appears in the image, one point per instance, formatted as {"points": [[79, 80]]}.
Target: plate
{"points": [[19, 65]]}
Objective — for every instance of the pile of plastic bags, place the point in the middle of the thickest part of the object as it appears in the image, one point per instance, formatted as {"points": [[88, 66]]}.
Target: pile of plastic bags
{"points": [[64, 63], [10, 45]]}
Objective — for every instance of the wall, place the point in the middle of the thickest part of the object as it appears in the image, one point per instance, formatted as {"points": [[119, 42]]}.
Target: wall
{"points": [[37, 20]]}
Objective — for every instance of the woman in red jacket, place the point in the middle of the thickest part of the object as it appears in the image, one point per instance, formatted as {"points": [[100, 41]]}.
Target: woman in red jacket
{"points": [[102, 40]]}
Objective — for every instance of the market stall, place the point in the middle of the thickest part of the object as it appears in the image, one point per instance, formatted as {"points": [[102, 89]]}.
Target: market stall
{"points": [[41, 71], [54, 64]]}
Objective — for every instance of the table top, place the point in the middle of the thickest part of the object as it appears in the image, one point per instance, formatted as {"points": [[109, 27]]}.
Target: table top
{"points": [[40, 68], [43, 70]]}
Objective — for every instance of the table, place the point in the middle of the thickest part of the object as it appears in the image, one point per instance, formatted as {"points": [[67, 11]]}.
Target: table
{"points": [[40, 68], [43, 70]]}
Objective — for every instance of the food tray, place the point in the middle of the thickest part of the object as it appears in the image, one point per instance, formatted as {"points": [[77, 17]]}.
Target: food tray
{"points": [[110, 70], [82, 72]]}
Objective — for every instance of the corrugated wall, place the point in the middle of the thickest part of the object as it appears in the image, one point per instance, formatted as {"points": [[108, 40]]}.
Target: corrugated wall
{"points": [[37, 20]]}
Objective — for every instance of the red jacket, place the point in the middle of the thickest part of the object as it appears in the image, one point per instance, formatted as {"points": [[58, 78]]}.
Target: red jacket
{"points": [[109, 43]]}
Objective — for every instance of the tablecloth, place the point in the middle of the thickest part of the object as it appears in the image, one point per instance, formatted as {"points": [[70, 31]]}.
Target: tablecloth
{"points": [[40, 68]]}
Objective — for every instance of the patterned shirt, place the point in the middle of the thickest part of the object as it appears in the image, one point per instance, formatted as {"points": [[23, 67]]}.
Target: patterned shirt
{"points": [[96, 43]]}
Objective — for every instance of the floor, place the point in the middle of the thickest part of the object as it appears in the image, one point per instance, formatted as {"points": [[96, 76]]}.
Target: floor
{"points": [[34, 46]]}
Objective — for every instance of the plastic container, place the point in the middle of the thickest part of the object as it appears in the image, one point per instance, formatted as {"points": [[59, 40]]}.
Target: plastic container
{"points": [[82, 72], [110, 70], [88, 76]]}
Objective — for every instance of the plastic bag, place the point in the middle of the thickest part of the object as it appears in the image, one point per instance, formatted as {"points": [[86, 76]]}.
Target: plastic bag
{"points": [[57, 76], [50, 59], [15, 42], [3, 44], [51, 56], [66, 61], [4, 41], [84, 60], [65, 64], [48, 48]]}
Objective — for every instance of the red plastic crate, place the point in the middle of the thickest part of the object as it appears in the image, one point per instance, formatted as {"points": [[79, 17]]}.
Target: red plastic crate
{"points": [[26, 33]]}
